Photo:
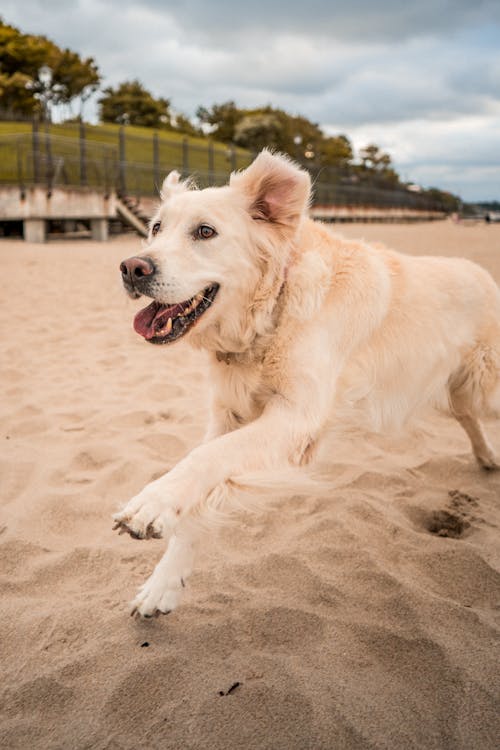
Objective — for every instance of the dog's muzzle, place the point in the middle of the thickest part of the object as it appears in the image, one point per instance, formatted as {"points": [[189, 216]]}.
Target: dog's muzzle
{"points": [[136, 275], [162, 323]]}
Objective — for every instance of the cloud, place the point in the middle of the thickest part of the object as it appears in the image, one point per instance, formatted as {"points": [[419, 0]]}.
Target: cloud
{"points": [[349, 20], [381, 71], [462, 156]]}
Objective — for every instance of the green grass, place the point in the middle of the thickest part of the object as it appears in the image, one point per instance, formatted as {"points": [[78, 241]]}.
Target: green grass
{"points": [[59, 152], [14, 128], [59, 163]]}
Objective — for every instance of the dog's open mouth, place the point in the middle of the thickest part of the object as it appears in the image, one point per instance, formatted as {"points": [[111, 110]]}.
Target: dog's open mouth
{"points": [[162, 324]]}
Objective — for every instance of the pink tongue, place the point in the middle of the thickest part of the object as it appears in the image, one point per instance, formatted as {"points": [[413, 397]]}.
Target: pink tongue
{"points": [[154, 317]]}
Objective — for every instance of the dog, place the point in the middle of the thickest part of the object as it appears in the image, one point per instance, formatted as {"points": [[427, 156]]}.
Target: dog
{"points": [[300, 325]]}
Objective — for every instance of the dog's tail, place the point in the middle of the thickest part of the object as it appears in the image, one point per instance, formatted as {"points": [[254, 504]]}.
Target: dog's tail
{"points": [[258, 491]]}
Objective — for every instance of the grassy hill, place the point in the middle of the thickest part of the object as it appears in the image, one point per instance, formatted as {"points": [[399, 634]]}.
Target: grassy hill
{"points": [[135, 161], [147, 156]]}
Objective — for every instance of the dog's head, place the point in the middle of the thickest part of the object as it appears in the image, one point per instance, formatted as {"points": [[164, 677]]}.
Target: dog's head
{"points": [[214, 256]]}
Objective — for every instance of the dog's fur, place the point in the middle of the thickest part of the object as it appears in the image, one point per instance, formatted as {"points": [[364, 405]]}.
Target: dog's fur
{"points": [[305, 326]]}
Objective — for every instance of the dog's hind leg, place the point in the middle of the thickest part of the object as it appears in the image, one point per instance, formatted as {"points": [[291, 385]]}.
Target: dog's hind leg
{"points": [[472, 389], [480, 445]]}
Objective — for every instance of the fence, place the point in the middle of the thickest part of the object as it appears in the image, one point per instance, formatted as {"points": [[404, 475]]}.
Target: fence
{"points": [[112, 158], [118, 159], [52, 161]]}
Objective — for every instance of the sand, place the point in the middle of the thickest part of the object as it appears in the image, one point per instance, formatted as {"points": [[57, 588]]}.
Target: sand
{"points": [[368, 620]]}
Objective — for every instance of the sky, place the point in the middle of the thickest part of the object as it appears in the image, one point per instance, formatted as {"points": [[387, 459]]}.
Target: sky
{"points": [[419, 79]]}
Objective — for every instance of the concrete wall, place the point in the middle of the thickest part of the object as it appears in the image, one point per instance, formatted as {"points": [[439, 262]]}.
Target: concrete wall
{"points": [[35, 206], [148, 207], [60, 203], [372, 213]]}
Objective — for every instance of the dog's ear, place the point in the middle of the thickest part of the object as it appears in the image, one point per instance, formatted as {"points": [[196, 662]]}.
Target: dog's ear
{"points": [[173, 184], [277, 190]]}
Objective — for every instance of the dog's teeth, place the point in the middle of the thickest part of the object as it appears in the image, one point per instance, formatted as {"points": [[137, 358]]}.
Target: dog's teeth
{"points": [[196, 301], [194, 304], [166, 328]]}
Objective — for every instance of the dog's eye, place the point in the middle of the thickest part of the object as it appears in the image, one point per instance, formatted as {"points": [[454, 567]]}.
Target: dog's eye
{"points": [[204, 232], [155, 228]]}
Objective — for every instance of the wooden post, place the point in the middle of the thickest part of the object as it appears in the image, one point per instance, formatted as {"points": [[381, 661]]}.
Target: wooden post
{"points": [[233, 158], [99, 230], [122, 183], [185, 157], [109, 180], [35, 230], [49, 170], [20, 175], [211, 165], [83, 155], [36, 151], [156, 163]]}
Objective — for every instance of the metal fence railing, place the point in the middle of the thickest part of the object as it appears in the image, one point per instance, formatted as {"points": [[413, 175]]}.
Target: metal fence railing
{"points": [[53, 161], [110, 158], [331, 194]]}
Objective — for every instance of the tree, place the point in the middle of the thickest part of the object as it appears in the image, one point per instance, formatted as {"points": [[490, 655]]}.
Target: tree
{"points": [[221, 119], [373, 158], [267, 126], [131, 104], [442, 200], [336, 151], [73, 78], [259, 130], [182, 124], [292, 134], [260, 127], [36, 74], [376, 166], [21, 58], [301, 138]]}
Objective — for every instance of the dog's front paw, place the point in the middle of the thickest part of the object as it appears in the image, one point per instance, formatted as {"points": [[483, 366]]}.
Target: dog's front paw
{"points": [[147, 516], [153, 599]]}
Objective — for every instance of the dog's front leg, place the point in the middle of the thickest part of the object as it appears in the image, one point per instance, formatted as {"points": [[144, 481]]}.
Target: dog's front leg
{"points": [[285, 430], [283, 434], [222, 420], [155, 511], [152, 514], [163, 590], [175, 503], [277, 438]]}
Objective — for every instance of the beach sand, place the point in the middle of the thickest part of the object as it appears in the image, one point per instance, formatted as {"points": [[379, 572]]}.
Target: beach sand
{"points": [[368, 620]]}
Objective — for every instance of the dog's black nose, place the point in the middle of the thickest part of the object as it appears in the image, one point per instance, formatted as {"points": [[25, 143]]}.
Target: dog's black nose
{"points": [[135, 268]]}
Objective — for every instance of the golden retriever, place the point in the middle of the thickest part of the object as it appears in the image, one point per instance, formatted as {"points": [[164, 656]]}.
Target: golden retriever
{"points": [[300, 325]]}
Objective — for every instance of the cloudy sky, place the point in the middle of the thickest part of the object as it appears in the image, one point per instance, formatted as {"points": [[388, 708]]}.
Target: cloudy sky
{"points": [[420, 79]]}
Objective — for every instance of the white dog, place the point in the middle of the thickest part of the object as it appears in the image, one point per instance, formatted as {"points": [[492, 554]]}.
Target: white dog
{"points": [[299, 325]]}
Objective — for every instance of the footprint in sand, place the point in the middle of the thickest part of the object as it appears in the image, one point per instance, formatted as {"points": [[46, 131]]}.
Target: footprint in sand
{"points": [[133, 419], [73, 421], [164, 445], [455, 519], [83, 467], [91, 459]]}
